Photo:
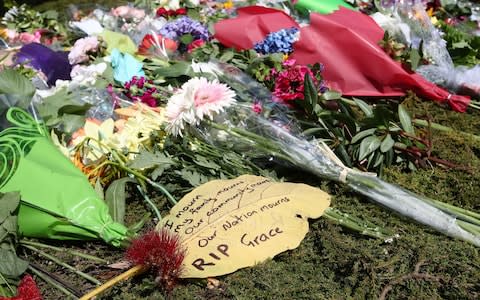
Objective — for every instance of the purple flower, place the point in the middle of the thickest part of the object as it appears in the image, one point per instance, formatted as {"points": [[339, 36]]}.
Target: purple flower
{"points": [[53, 64], [184, 25]]}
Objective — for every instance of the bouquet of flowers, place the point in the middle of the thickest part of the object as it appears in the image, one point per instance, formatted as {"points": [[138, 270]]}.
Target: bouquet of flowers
{"points": [[208, 110]]}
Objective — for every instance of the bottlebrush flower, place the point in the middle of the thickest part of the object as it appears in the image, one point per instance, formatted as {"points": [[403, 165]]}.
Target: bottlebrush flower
{"points": [[153, 45], [196, 99], [27, 290], [161, 251], [289, 82], [182, 26], [278, 42]]}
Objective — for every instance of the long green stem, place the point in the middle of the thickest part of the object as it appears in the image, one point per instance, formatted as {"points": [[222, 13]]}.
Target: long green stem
{"points": [[58, 249], [145, 178], [63, 264], [152, 205], [440, 127], [8, 286], [356, 224], [52, 282]]}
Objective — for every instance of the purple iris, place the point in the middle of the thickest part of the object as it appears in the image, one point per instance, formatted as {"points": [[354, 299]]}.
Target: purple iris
{"points": [[53, 64]]}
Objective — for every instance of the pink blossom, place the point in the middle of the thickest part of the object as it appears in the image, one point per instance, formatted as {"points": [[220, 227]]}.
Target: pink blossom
{"points": [[128, 12], [78, 54], [27, 38]]}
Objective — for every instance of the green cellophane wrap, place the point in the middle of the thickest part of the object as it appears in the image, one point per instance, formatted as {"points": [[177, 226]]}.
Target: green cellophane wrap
{"points": [[321, 6], [58, 202]]}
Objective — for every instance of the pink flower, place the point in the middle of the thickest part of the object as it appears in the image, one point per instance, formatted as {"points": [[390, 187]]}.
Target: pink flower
{"points": [[78, 54], [289, 83], [196, 99], [195, 44], [128, 12], [27, 38], [257, 107]]}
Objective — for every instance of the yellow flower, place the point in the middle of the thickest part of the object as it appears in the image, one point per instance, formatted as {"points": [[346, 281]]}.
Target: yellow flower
{"points": [[285, 57], [228, 4], [136, 129], [99, 135]]}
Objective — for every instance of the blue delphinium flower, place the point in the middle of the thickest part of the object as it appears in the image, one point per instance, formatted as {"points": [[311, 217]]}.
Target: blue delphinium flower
{"points": [[279, 41], [184, 25]]}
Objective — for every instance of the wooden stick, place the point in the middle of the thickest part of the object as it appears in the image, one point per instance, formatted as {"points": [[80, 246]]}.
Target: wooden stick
{"points": [[125, 275]]}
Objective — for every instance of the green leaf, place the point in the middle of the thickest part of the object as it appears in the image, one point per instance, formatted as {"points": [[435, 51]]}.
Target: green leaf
{"points": [[72, 123], [8, 204], [310, 93], [14, 83], [194, 178], [405, 120], [52, 108], [363, 134], [186, 38], [10, 264], [228, 55], [331, 95], [146, 159], [99, 189], [364, 107], [414, 59], [387, 143], [368, 145], [175, 70], [115, 197], [202, 161]]}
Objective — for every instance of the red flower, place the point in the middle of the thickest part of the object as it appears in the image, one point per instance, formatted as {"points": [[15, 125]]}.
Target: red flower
{"points": [[150, 43], [181, 11], [27, 290], [195, 44], [163, 12], [162, 251]]}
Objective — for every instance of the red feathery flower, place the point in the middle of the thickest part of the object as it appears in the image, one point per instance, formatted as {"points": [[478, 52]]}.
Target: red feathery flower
{"points": [[161, 251], [27, 290]]}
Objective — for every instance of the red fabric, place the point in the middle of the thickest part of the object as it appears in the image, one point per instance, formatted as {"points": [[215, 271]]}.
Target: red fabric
{"points": [[346, 43], [27, 290], [251, 26]]}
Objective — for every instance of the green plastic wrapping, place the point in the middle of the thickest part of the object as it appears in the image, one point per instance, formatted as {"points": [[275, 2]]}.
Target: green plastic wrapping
{"points": [[58, 202], [321, 6]]}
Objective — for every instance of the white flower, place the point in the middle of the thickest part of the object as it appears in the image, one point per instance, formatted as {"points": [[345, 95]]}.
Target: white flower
{"points": [[196, 99], [86, 75]]}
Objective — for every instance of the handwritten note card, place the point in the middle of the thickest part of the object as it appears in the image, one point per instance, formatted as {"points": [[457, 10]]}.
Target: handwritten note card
{"points": [[231, 224]]}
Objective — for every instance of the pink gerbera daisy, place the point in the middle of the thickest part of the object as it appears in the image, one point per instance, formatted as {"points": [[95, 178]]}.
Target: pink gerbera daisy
{"points": [[196, 99]]}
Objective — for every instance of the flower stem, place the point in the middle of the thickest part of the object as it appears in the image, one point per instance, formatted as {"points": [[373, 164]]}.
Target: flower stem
{"points": [[145, 178], [149, 202], [63, 264], [356, 224], [440, 127], [8, 286], [52, 282], [72, 252]]}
